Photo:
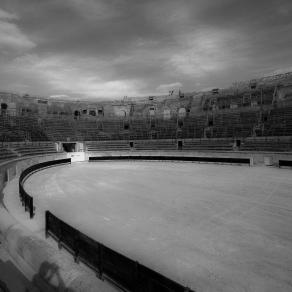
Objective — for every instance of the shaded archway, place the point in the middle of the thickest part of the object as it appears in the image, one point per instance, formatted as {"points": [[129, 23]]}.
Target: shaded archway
{"points": [[76, 114], [4, 108]]}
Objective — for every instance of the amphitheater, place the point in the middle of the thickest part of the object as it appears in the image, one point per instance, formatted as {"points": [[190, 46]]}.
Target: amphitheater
{"points": [[187, 192]]}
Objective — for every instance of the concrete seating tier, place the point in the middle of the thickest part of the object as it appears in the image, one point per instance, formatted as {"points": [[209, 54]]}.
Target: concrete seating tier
{"points": [[29, 149], [20, 128], [155, 145], [279, 122], [59, 129], [108, 146], [208, 144], [273, 145], [228, 123], [6, 154]]}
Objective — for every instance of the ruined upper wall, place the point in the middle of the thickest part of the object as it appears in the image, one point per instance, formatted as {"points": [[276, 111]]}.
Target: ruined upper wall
{"points": [[249, 93]]}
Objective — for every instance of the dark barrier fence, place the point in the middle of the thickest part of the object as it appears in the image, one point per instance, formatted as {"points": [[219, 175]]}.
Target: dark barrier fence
{"points": [[175, 158], [285, 163], [26, 199], [124, 272]]}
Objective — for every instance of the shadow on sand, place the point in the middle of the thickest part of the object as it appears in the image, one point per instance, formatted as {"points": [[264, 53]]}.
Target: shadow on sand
{"points": [[49, 276], [47, 279]]}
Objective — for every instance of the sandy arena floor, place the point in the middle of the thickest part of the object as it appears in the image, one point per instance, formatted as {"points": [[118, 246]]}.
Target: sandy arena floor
{"points": [[209, 227]]}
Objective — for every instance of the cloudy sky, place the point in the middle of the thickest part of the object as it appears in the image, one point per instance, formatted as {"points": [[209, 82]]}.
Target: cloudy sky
{"points": [[116, 48]]}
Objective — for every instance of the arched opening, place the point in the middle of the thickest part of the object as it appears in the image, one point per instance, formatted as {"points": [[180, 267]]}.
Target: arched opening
{"points": [[166, 114], [100, 112], [182, 112], [126, 125], [92, 113], [4, 108], [121, 113], [210, 121], [152, 111], [76, 114], [69, 147]]}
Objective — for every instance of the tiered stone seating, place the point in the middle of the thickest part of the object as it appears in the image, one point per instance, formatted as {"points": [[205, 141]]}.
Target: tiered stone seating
{"points": [[194, 126], [267, 95], [279, 122], [265, 120], [166, 129], [6, 154], [226, 124], [234, 123], [30, 149], [112, 125], [139, 128], [155, 145], [108, 146], [60, 129], [266, 144], [30, 125], [88, 130], [20, 128], [208, 144], [248, 120]]}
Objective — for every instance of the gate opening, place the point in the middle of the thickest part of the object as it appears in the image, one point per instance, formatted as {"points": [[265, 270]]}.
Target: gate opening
{"points": [[69, 147]]}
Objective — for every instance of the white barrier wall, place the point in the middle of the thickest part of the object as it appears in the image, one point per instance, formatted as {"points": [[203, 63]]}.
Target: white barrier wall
{"points": [[76, 156]]}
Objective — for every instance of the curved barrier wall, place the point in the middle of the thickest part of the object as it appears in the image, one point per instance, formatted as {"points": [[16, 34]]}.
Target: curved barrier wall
{"points": [[26, 199], [123, 271], [287, 163], [32, 253], [175, 158], [126, 272]]}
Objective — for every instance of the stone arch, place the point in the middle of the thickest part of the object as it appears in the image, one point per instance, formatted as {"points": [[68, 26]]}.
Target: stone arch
{"points": [[166, 114], [4, 106], [77, 114], [152, 111], [182, 112], [92, 112]]}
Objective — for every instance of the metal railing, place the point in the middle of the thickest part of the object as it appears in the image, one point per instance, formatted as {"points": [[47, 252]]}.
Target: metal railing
{"points": [[126, 273]]}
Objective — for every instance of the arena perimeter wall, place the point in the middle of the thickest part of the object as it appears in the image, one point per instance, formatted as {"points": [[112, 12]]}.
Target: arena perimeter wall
{"points": [[31, 251], [257, 158]]}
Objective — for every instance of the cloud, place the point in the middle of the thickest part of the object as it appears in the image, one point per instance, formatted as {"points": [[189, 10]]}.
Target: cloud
{"points": [[68, 76], [60, 96], [206, 51], [94, 10], [112, 48], [165, 88], [6, 15], [11, 38]]}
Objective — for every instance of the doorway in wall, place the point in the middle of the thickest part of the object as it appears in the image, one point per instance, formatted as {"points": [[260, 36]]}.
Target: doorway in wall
{"points": [[179, 144], [4, 107], [69, 147]]}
